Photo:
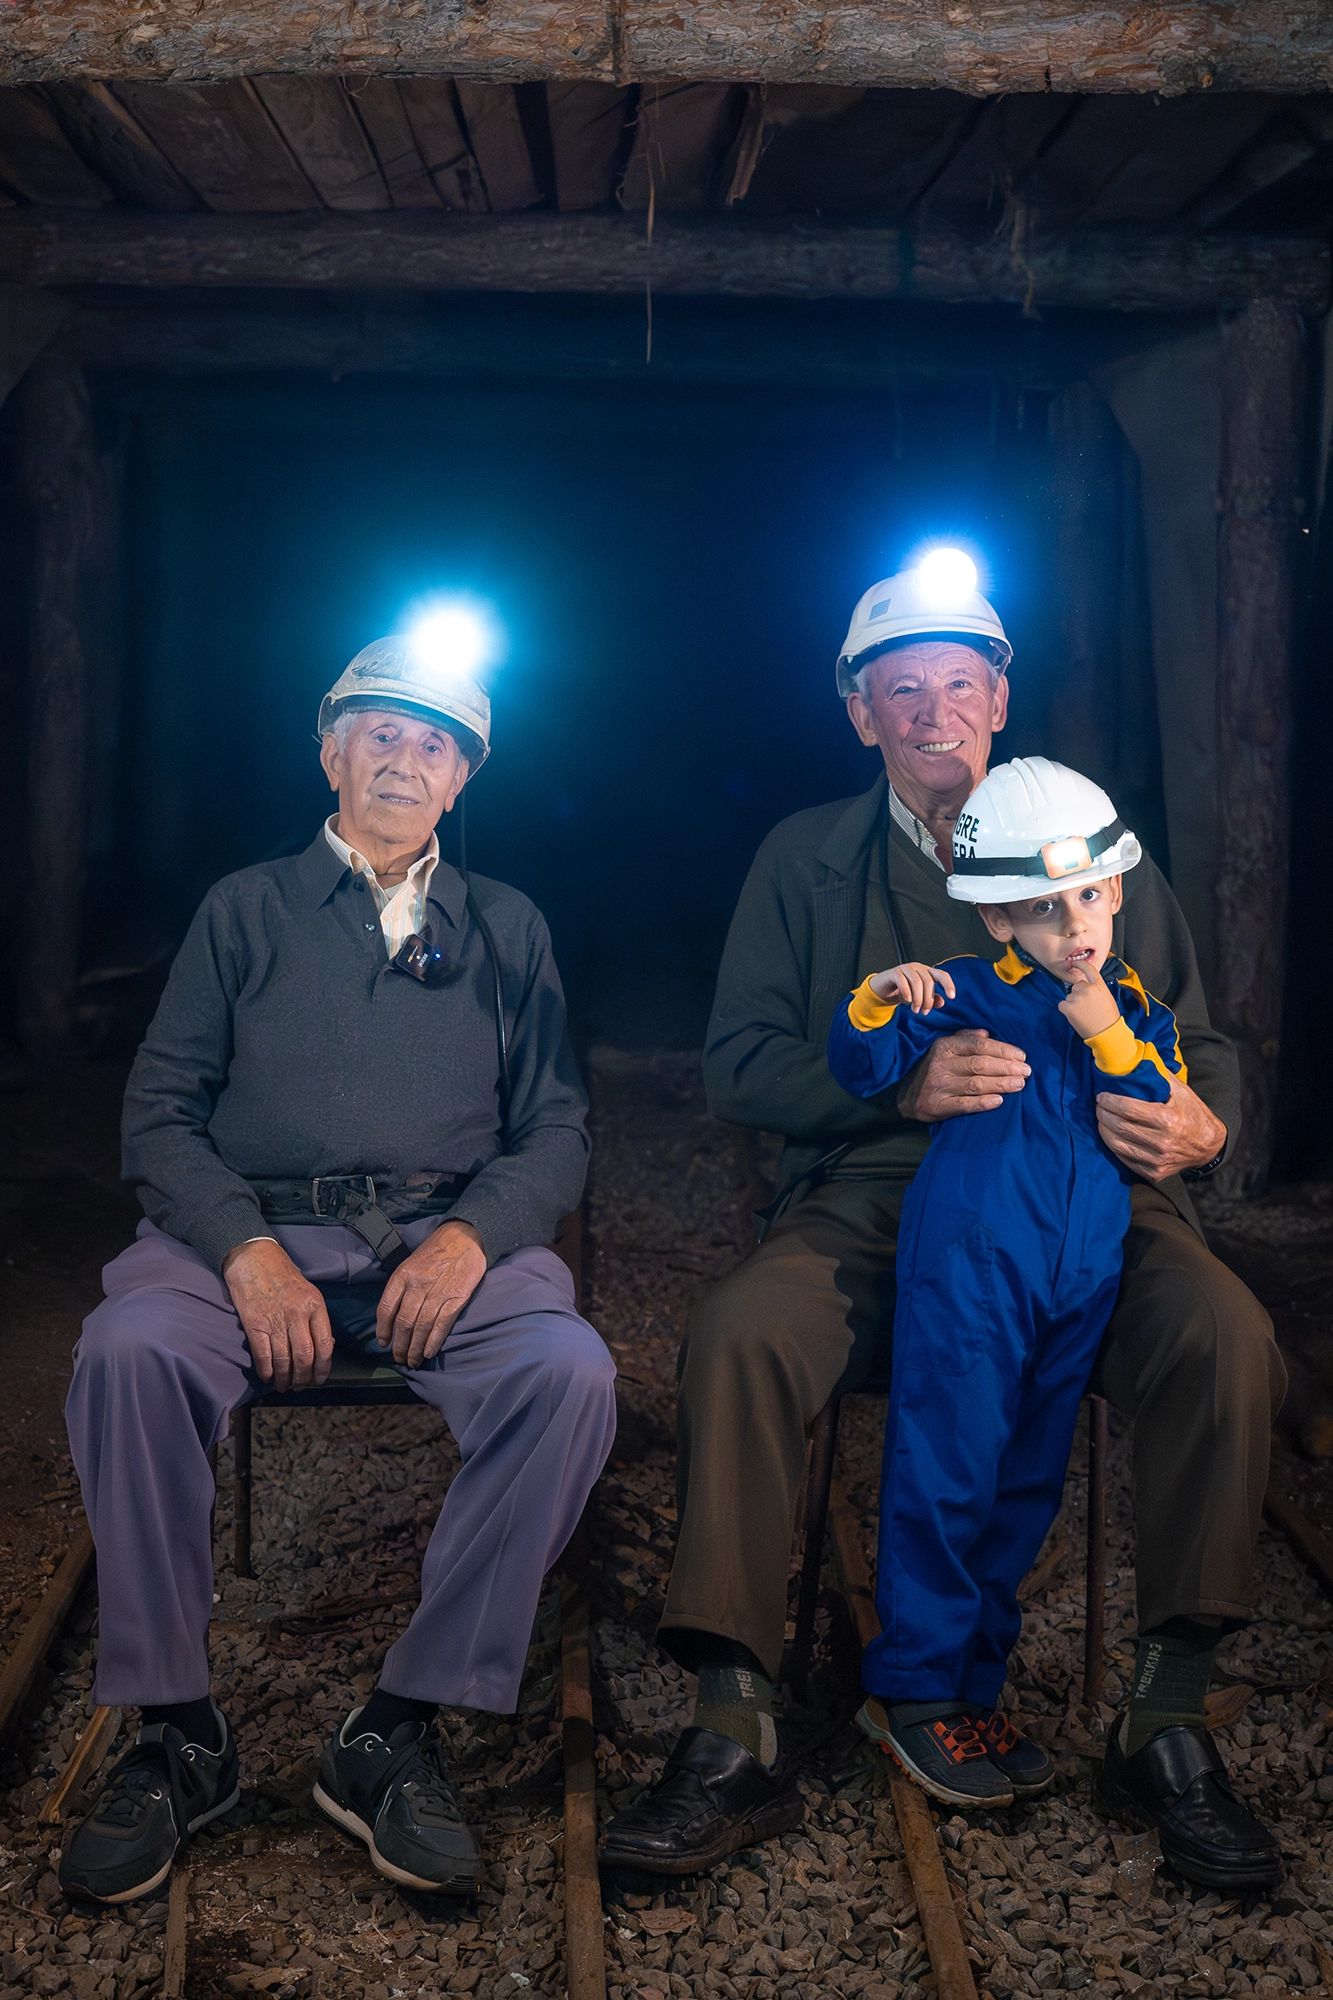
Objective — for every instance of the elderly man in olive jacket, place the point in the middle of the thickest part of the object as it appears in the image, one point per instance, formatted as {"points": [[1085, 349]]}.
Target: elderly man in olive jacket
{"points": [[834, 894]]}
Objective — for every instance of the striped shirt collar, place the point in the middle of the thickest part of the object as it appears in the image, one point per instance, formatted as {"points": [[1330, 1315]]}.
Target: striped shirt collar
{"points": [[402, 910], [917, 832]]}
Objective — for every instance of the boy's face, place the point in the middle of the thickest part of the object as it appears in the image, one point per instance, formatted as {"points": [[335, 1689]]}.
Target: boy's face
{"points": [[1062, 929]]}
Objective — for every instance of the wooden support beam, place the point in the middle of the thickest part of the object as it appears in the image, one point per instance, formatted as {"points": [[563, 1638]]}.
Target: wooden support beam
{"points": [[930, 1885], [40, 1632], [1263, 387], [61, 481], [86, 1758], [717, 256], [585, 1956], [1047, 45]]}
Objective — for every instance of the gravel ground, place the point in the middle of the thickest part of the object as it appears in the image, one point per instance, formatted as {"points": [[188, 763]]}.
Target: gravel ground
{"points": [[1050, 1896]]}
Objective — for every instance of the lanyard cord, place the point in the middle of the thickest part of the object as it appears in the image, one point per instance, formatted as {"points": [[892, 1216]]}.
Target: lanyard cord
{"points": [[886, 894], [501, 1033]]}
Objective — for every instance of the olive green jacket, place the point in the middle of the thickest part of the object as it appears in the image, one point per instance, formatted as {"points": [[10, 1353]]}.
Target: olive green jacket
{"points": [[793, 951]]}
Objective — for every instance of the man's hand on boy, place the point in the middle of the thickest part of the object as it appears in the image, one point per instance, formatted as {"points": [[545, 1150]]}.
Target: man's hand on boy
{"points": [[962, 1073], [913, 983], [1088, 1006], [1158, 1140]]}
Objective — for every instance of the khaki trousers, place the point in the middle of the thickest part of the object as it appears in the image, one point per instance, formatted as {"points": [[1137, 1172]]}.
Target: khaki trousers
{"points": [[1189, 1357]]}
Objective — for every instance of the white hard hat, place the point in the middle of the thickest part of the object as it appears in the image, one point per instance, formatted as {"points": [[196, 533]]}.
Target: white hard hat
{"points": [[391, 673], [927, 602], [1031, 823]]}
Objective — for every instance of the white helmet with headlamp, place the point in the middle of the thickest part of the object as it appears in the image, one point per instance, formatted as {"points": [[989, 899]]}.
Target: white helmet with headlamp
{"points": [[426, 672], [1031, 826], [938, 599]]}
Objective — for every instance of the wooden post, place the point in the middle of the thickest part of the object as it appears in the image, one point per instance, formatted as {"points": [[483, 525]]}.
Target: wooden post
{"points": [[61, 480], [1083, 716], [1263, 381]]}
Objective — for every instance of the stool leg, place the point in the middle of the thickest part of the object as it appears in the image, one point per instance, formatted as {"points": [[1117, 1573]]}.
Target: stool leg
{"points": [[1094, 1629], [240, 1504], [823, 1445]]}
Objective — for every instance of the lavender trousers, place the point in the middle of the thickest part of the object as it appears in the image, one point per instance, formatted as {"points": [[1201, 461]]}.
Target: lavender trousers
{"points": [[524, 1384]]}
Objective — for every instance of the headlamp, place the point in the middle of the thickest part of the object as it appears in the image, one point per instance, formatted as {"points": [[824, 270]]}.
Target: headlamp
{"points": [[947, 578], [453, 637]]}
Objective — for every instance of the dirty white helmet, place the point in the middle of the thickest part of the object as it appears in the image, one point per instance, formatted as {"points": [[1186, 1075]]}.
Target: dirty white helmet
{"points": [[938, 599], [395, 674], [1033, 823]]}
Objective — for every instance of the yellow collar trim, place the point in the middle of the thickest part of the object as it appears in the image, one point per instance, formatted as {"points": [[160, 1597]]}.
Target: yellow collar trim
{"points": [[1011, 968]]}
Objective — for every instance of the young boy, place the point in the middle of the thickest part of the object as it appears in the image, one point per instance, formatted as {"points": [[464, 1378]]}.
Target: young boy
{"points": [[1008, 1261]]}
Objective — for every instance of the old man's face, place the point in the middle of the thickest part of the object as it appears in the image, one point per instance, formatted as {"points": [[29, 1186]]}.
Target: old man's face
{"points": [[932, 708], [395, 776]]}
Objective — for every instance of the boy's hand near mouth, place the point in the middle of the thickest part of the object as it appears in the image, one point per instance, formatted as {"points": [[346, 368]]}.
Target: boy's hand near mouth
{"points": [[1088, 1006]]}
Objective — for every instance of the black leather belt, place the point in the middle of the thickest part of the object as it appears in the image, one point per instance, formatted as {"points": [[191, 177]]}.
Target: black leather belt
{"points": [[368, 1203]]}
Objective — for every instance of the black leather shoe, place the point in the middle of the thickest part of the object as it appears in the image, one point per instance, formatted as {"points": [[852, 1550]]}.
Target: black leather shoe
{"points": [[712, 1798], [1178, 1783]]}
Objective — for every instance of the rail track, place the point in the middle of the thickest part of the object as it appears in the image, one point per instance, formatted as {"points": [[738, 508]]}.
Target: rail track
{"points": [[585, 1963]]}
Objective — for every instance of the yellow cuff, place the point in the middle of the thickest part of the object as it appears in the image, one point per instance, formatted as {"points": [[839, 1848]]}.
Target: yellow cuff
{"points": [[1117, 1050], [865, 1010]]}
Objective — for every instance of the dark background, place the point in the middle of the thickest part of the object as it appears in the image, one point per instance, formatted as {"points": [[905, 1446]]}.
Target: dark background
{"points": [[674, 557]]}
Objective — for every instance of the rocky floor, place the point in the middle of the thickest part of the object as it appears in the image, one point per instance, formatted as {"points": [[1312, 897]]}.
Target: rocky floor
{"points": [[1051, 1896]]}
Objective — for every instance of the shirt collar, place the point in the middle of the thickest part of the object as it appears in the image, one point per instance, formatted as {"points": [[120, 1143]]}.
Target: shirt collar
{"points": [[916, 830], [418, 876]]}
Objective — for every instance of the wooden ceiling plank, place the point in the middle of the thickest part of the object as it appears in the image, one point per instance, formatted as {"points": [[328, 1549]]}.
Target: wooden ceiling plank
{"points": [[221, 140], [496, 137], [1284, 145], [113, 141], [873, 157], [993, 158], [683, 133], [315, 117], [1178, 270], [1189, 142], [385, 122], [431, 107], [587, 123], [38, 162]]}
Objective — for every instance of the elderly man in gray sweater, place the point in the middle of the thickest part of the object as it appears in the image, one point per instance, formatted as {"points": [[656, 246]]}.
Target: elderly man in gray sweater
{"points": [[355, 1119]]}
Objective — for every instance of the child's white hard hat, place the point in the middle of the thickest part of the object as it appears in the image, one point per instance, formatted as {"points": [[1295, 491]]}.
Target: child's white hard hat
{"points": [[1031, 824]]}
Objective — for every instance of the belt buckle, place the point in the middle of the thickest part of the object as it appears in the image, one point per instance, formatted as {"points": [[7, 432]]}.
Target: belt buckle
{"points": [[341, 1194]]}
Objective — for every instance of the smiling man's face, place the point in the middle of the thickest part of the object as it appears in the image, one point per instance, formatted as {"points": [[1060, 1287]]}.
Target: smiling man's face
{"points": [[395, 778], [932, 708]]}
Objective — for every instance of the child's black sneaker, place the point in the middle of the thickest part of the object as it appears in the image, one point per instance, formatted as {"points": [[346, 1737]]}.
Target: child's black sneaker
{"points": [[1023, 1762], [939, 1745], [397, 1797], [162, 1790]]}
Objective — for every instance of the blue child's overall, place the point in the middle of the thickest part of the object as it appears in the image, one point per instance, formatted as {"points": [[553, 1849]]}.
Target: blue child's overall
{"points": [[1008, 1264]]}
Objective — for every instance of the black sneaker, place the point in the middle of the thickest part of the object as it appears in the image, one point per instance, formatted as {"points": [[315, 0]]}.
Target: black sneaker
{"points": [[162, 1790], [939, 1745], [1020, 1760], [397, 1797]]}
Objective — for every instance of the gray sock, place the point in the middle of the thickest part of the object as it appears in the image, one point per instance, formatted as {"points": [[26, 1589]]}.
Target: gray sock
{"points": [[736, 1699]]}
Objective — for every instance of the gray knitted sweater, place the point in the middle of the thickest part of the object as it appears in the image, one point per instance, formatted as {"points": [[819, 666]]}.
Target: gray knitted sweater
{"points": [[286, 1046]]}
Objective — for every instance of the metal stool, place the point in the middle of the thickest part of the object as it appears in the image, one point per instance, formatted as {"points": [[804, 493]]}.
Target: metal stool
{"points": [[350, 1383], [819, 1485]]}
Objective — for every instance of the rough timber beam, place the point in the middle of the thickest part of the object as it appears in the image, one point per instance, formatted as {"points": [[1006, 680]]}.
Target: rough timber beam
{"points": [[1173, 46], [609, 254]]}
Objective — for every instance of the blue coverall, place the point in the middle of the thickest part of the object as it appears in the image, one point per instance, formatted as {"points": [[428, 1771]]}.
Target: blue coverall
{"points": [[1008, 1263]]}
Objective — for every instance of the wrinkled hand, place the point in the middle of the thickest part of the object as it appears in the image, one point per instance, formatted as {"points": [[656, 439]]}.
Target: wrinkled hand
{"points": [[913, 983], [428, 1291], [960, 1074], [283, 1315], [1158, 1140]]}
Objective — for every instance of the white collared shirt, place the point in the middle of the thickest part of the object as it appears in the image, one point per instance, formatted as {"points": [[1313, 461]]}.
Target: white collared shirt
{"points": [[402, 909], [917, 832]]}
